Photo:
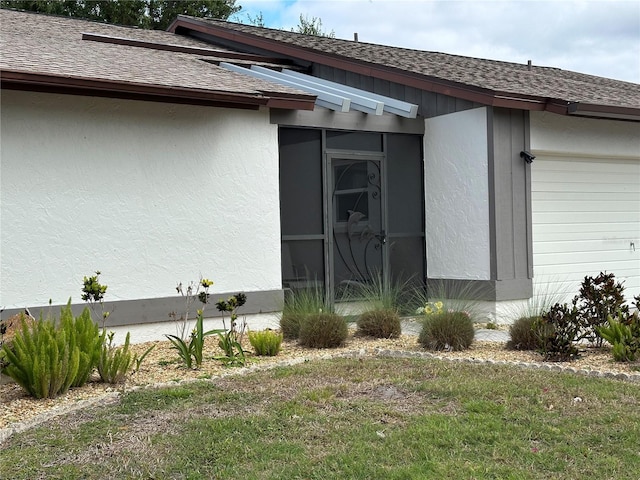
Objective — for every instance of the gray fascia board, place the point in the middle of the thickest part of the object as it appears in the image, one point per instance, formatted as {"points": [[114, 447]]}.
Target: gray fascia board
{"points": [[391, 105], [357, 98], [334, 102]]}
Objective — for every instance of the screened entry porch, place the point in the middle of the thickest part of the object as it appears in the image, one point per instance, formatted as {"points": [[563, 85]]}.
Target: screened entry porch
{"points": [[352, 209]]}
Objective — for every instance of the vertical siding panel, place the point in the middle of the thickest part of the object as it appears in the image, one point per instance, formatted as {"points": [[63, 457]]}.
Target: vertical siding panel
{"points": [[503, 195], [339, 76], [366, 83], [353, 80], [381, 87], [519, 182]]}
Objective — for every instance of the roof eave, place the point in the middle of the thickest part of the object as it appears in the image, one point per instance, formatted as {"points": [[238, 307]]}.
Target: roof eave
{"points": [[463, 91], [604, 111], [19, 80]]}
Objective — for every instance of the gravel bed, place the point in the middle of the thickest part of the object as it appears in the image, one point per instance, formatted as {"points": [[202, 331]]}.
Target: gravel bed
{"points": [[18, 411]]}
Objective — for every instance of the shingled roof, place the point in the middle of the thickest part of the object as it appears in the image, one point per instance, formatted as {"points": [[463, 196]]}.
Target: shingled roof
{"points": [[484, 81], [48, 53]]}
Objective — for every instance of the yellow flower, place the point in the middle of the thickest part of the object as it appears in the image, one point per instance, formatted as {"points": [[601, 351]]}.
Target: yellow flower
{"points": [[439, 305], [428, 310]]}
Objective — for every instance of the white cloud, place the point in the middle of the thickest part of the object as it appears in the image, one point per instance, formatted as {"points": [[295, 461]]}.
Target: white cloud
{"points": [[596, 37]]}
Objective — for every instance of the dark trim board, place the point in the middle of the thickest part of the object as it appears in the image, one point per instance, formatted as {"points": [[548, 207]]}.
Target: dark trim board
{"points": [[154, 310], [484, 290]]}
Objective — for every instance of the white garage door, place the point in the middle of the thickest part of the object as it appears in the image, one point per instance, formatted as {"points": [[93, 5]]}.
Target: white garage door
{"points": [[586, 219]]}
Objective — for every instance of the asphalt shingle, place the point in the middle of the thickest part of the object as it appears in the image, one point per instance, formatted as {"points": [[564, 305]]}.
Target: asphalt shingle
{"points": [[497, 76], [49, 45]]}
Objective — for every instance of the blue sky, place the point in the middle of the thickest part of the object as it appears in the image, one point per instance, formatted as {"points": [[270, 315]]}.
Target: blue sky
{"points": [[596, 37]]}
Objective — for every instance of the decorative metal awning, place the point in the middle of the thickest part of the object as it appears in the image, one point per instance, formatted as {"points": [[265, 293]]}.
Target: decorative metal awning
{"points": [[332, 95]]}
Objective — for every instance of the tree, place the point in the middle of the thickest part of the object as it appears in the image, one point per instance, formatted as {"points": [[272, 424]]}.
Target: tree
{"points": [[312, 26], [257, 21], [163, 13], [307, 26], [155, 14]]}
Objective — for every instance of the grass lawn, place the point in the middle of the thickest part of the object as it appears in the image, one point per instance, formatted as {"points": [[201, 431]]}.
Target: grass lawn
{"points": [[349, 419]]}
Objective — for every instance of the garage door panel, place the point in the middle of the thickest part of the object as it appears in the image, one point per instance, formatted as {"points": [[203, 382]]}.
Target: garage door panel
{"points": [[586, 219], [628, 229], [593, 197], [565, 281], [593, 189], [621, 245], [593, 165], [618, 239], [578, 271], [627, 203], [582, 177], [604, 257], [568, 217]]}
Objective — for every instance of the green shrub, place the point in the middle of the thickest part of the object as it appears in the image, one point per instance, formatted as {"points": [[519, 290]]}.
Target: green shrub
{"points": [[450, 297], [378, 293], [560, 330], [623, 333], [82, 332], [450, 330], [41, 360], [598, 299], [381, 323], [323, 330], [290, 324], [525, 334], [115, 362], [298, 305], [266, 343]]}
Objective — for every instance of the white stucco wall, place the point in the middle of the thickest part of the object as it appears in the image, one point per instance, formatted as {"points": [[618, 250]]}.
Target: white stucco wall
{"points": [[149, 194], [457, 193]]}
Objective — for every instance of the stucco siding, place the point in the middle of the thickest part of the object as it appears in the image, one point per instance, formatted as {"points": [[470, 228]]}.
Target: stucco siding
{"points": [[457, 192], [149, 194]]}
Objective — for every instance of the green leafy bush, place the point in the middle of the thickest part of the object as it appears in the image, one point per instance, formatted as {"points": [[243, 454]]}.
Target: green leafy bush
{"points": [[266, 343], [323, 330], [623, 333], [447, 330], [41, 360], [380, 323], [525, 334], [93, 293], [598, 299], [560, 329]]}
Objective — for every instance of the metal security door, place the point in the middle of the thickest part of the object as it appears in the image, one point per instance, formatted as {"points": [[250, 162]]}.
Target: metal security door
{"points": [[357, 250]]}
